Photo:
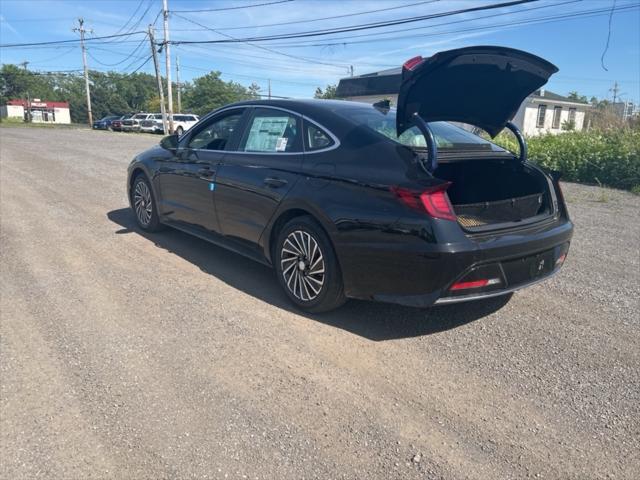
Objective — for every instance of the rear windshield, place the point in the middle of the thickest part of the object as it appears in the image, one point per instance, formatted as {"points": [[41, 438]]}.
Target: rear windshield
{"points": [[447, 135]]}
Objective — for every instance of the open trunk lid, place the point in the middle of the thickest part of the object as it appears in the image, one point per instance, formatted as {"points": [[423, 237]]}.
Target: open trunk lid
{"points": [[482, 86]]}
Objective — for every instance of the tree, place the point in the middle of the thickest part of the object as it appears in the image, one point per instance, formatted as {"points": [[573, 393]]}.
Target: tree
{"points": [[576, 97], [328, 93], [16, 82], [209, 92], [254, 90]]}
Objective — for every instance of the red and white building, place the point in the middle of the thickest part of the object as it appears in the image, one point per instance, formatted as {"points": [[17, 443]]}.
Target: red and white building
{"points": [[37, 110]]}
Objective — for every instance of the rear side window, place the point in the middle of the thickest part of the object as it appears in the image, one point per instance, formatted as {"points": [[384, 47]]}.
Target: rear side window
{"points": [[216, 133], [316, 138], [273, 131]]}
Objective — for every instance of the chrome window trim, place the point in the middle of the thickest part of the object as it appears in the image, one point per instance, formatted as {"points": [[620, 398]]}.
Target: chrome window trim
{"points": [[336, 141]]}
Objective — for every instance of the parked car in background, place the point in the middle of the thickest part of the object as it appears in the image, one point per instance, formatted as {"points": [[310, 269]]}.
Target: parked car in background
{"points": [[116, 125], [152, 124], [133, 124], [105, 123], [349, 200], [183, 122]]}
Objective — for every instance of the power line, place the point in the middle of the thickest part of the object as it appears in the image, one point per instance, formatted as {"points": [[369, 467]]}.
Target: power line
{"points": [[366, 26], [303, 43], [310, 20], [538, 20], [606, 47], [231, 8], [61, 42], [121, 29], [295, 57], [130, 55]]}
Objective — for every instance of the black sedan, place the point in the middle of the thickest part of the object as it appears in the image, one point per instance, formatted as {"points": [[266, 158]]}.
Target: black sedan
{"points": [[350, 200]]}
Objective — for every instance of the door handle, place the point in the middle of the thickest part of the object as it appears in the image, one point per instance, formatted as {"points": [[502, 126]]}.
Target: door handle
{"points": [[275, 182]]}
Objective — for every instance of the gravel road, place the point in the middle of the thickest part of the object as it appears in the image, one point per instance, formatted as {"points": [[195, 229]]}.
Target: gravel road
{"points": [[127, 355]]}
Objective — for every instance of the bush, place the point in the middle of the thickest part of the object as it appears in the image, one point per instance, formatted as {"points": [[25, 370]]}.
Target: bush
{"points": [[610, 158]]}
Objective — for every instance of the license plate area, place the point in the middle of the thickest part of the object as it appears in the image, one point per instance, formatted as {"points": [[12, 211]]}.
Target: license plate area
{"points": [[526, 269]]}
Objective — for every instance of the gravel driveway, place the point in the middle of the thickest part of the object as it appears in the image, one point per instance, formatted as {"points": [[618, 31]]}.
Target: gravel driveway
{"points": [[127, 355]]}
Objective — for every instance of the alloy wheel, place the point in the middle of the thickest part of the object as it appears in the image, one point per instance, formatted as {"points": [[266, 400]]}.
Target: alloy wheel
{"points": [[303, 265], [142, 203]]}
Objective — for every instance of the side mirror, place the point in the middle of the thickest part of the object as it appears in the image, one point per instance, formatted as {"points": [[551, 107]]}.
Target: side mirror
{"points": [[170, 142]]}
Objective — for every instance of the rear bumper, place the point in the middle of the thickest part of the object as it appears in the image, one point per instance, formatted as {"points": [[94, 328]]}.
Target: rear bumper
{"points": [[482, 295], [423, 274]]}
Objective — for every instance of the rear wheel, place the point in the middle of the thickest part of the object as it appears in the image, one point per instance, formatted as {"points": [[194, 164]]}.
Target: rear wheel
{"points": [[307, 267], [144, 205]]}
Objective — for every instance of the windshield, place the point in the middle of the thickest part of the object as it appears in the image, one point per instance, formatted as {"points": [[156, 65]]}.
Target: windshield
{"points": [[447, 135], [140, 116]]}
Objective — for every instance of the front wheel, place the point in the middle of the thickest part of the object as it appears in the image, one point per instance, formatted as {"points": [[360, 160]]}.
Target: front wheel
{"points": [[144, 205], [307, 267]]}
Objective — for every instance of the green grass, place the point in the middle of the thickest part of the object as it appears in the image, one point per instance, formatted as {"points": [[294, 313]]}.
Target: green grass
{"points": [[18, 123]]}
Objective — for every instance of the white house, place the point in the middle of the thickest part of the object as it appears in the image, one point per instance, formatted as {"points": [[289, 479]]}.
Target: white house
{"points": [[542, 112], [547, 112], [39, 111]]}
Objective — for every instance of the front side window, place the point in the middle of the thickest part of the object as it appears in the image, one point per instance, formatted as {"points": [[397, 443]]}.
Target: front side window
{"points": [[557, 111], [216, 134], [316, 138], [273, 131], [542, 111]]}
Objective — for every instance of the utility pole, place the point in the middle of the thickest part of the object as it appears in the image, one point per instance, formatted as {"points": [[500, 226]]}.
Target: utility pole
{"points": [[178, 86], [351, 70], [615, 91], [269, 89], [24, 64], [82, 31], [165, 11], [154, 54]]}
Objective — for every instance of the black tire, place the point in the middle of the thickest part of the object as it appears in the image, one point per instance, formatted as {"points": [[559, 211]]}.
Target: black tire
{"points": [[147, 216], [294, 248], [179, 131]]}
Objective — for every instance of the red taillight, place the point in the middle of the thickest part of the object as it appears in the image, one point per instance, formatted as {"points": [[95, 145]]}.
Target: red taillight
{"points": [[435, 200], [412, 63], [438, 205], [475, 284]]}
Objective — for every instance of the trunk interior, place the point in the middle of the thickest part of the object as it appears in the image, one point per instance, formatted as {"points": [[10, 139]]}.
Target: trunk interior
{"points": [[489, 194]]}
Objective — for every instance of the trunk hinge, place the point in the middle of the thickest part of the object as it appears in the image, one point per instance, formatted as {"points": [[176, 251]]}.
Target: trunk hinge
{"points": [[432, 149], [521, 141]]}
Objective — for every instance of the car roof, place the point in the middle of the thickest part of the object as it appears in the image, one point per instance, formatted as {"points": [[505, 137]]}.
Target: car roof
{"points": [[305, 104]]}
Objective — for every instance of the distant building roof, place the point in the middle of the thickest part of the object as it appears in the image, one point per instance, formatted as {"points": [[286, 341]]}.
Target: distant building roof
{"points": [[546, 94], [37, 103]]}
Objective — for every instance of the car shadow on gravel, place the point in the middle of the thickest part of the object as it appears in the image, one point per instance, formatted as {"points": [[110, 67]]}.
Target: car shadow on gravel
{"points": [[372, 320]]}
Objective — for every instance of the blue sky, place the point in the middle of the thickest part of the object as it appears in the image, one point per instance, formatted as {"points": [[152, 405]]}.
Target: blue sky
{"points": [[574, 45]]}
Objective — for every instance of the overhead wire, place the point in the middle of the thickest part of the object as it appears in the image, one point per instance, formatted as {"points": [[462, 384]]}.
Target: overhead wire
{"points": [[366, 26], [311, 20], [261, 47], [239, 7], [63, 42], [538, 20], [330, 41]]}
